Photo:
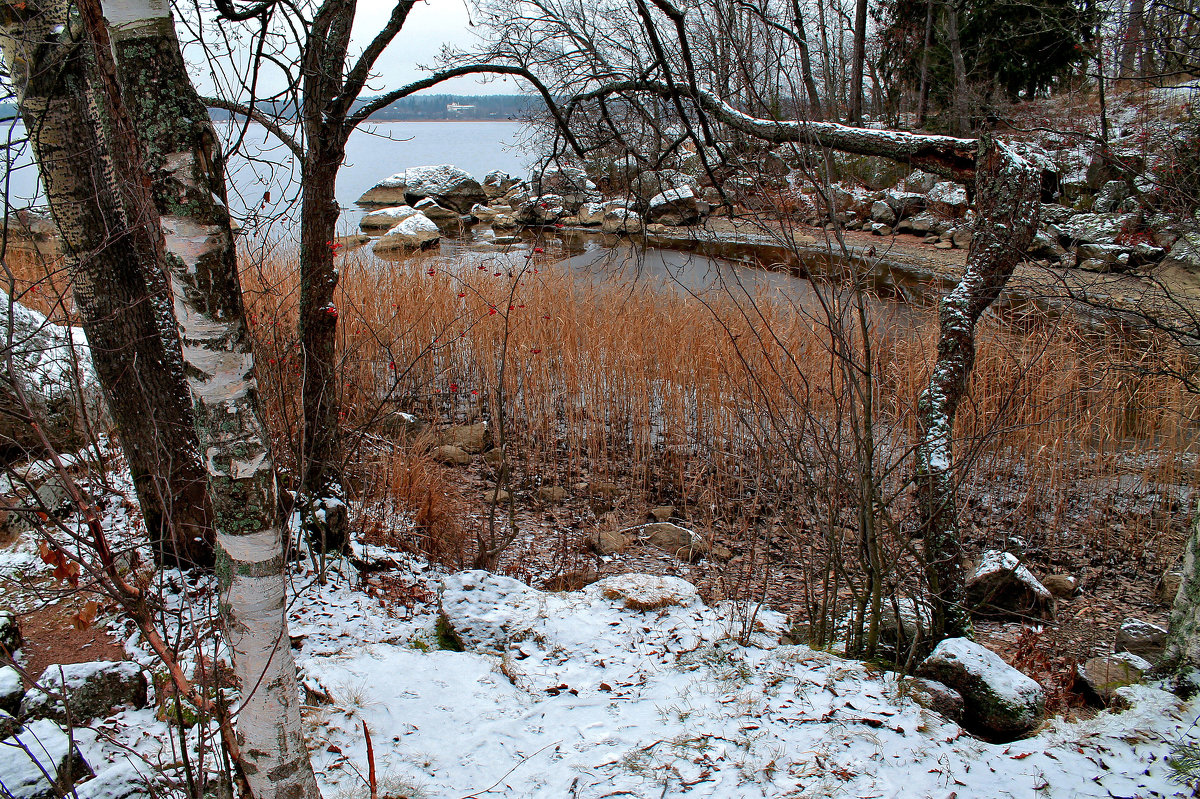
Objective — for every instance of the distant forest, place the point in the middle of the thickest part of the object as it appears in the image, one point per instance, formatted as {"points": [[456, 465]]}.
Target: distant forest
{"points": [[438, 106], [457, 106]]}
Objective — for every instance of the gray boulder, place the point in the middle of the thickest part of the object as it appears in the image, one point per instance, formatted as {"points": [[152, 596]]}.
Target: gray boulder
{"points": [[679, 541], [451, 455], [622, 220], [1186, 250], [918, 182], [1001, 584], [948, 199], [497, 183], [1168, 587], [542, 209], [1100, 677], [1110, 197], [40, 762], [1092, 228], [1046, 247], [882, 212], [1103, 257], [441, 216], [1141, 638], [471, 438], [9, 726], [1000, 702], [570, 184], [646, 185], [905, 203], [92, 691], [936, 696], [450, 186]]}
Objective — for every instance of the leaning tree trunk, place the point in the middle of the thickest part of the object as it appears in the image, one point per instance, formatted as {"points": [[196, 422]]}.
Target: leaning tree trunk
{"points": [[118, 288], [185, 165], [1007, 190], [1183, 638]]}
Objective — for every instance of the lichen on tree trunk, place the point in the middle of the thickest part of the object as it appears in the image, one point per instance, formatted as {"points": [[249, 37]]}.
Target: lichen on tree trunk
{"points": [[1007, 190], [121, 294], [1183, 637]]}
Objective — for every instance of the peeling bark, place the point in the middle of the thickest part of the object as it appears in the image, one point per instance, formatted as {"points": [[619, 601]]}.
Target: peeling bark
{"points": [[183, 159], [118, 287], [1007, 189]]}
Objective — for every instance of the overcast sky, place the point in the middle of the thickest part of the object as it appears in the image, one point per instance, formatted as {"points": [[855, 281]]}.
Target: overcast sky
{"points": [[430, 25]]}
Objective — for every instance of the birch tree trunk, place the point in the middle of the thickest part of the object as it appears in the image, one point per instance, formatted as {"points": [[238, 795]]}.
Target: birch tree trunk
{"points": [[1007, 191], [118, 287], [1183, 638], [184, 162]]}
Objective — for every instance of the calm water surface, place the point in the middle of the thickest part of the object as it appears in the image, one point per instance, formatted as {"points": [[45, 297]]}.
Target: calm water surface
{"points": [[264, 179]]}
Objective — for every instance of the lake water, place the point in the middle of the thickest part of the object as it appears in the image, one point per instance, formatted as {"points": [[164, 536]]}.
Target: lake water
{"points": [[264, 180]]}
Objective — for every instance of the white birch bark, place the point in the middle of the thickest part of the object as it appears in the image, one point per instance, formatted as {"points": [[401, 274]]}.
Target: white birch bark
{"points": [[184, 163]]}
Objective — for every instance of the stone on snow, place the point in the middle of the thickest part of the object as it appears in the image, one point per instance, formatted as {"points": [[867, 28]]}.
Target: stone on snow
{"points": [[93, 690], [645, 592], [1000, 701], [1100, 677]]}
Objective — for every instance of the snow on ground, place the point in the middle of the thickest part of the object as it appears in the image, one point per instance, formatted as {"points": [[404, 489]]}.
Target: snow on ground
{"points": [[593, 699], [631, 687]]}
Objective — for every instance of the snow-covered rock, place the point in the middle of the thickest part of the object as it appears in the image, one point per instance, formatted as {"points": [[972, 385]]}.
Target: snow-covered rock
{"points": [[416, 232], [485, 612], [448, 185], [92, 690], [1141, 638], [1001, 583], [1092, 228], [11, 690], [385, 219], [646, 591], [647, 185], [678, 206], [54, 369], [1186, 250], [569, 183], [41, 749], [1000, 701], [622, 220], [948, 199], [498, 182]]}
